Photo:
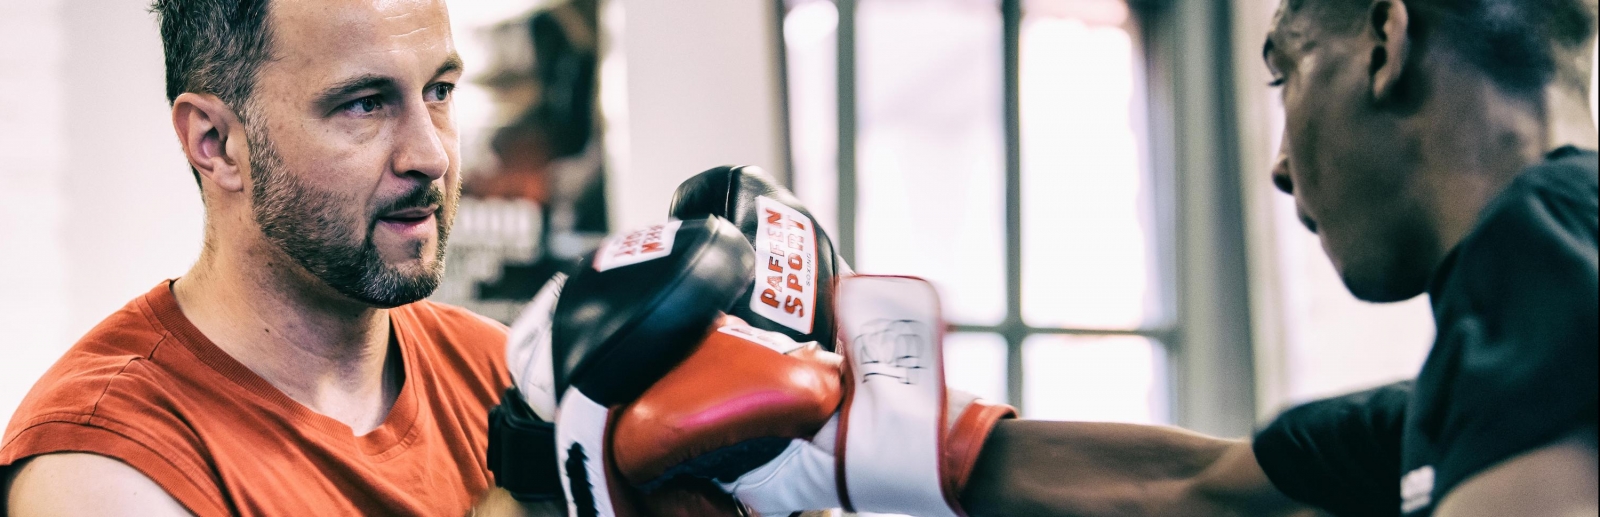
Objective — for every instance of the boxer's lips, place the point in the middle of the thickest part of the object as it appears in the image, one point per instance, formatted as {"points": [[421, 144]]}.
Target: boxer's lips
{"points": [[410, 221], [411, 214]]}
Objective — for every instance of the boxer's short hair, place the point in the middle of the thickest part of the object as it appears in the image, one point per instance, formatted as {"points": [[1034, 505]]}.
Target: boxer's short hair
{"points": [[1518, 43], [215, 47]]}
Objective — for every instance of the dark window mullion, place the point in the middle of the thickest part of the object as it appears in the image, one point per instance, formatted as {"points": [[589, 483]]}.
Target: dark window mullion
{"points": [[1013, 328], [846, 70]]}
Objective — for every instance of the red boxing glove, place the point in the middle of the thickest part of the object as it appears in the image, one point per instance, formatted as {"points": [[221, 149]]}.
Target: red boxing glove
{"points": [[738, 390], [787, 428]]}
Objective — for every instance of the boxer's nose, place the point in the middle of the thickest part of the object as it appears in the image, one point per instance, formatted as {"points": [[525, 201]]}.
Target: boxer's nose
{"points": [[1280, 169]]}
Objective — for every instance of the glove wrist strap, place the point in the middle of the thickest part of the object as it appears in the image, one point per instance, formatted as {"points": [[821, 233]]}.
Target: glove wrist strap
{"points": [[964, 441], [522, 451]]}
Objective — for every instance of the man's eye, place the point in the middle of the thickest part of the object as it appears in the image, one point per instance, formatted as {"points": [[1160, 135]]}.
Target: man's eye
{"points": [[1276, 82], [441, 91], [364, 105]]}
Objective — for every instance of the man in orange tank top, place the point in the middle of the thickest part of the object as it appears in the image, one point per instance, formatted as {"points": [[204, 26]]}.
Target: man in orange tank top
{"points": [[296, 369]]}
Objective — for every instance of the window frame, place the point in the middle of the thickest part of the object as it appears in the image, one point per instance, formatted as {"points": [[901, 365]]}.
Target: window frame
{"points": [[1205, 333]]}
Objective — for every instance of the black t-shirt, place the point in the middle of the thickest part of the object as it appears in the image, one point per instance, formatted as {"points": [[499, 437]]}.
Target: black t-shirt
{"points": [[1513, 367]]}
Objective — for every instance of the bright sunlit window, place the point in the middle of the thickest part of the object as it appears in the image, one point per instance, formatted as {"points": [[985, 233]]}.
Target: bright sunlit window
{"points": [[1086, 201], [1072, 329], [930, 149]]}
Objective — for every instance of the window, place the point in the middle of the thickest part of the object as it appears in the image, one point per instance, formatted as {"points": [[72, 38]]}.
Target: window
{"points": [[998, 149]]}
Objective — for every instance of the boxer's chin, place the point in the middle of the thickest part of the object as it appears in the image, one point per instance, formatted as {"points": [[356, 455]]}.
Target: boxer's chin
{"points": [[400, 263], [392, 285], [411, 255], [1382, 274]]}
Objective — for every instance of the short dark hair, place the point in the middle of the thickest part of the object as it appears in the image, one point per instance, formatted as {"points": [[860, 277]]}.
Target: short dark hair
{"points": [[1518, 43], [215, 47]]}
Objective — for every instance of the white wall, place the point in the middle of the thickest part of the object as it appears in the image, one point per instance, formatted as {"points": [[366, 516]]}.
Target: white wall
{"points": [[685, 86], [32, 309], [98, 202]]}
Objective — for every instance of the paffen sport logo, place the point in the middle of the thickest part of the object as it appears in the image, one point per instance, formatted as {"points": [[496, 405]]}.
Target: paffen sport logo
{"points": [[892, 349], [635, 247], [786, 266]]}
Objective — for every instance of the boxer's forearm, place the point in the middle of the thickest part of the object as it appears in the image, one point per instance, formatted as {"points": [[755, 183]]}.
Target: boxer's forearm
{"points": [[1088, 469]]}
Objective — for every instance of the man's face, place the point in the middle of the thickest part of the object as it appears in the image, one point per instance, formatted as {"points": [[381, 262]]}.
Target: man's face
{"points": [[354, 156], [1347, 161]]}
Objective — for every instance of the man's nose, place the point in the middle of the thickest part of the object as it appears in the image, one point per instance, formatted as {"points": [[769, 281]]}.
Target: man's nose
{"points": [[419, 149], [1280, 171]]}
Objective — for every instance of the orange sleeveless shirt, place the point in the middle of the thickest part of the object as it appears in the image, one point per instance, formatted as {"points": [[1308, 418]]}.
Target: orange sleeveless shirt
{"points": [[146, 388]]}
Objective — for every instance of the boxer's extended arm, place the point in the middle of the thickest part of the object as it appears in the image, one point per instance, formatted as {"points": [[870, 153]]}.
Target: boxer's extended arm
{"points": [[83, 484], [1087, 469]]}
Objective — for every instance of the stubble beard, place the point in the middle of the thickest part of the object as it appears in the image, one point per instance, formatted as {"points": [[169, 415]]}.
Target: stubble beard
{"points": [[312, 227]]}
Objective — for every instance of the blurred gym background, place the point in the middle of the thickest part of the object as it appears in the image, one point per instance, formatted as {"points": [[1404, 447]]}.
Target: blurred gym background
{"points": [[1085, 180]]}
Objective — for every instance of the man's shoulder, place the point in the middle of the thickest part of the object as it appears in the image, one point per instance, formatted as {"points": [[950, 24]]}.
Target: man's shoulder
{"points": [[1558, 194], [107, 395], [1568, 173], [1513, 366], [1526, 278], [1543, 224], [79, 379]]}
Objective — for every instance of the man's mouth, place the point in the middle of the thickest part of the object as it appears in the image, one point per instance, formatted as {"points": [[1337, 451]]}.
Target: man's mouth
{"points": [[410, 215]]}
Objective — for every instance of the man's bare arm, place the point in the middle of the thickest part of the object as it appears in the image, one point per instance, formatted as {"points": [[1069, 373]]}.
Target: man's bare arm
{"points": [[1089, 469], [84, 484], [1559, 479]]}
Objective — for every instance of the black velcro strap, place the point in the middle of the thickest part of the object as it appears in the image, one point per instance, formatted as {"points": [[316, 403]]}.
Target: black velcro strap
{"points": [[522, 451], [723, 465]]}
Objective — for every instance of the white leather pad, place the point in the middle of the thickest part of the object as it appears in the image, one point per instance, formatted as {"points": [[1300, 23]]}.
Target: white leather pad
{"points": [[893, 333]]}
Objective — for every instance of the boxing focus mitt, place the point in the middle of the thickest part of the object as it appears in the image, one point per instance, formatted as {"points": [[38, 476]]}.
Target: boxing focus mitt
{"points": [[522, 449], [642, 302], [890, 439], [796, 264]]}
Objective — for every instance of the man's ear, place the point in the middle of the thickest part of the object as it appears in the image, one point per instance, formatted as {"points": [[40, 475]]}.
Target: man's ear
{"points": [[1387, 22], [205, 125]]}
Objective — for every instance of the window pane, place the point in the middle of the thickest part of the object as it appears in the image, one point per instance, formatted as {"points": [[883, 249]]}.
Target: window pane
{"points": [[931, 149], [1102, 378], [811, 38], [1087, 227], [976, 363]]}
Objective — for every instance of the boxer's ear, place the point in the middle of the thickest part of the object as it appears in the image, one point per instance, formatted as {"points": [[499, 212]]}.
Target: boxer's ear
{"points": [[1387, 23], [212, 138]]}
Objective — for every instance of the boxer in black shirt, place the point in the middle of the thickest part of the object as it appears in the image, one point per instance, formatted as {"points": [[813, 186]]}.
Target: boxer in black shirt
{"points": [[1513, 368]]}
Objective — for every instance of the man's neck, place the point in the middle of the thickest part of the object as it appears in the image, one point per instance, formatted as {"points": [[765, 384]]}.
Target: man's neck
{"points": [[328, 353], [1485, 149]]}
